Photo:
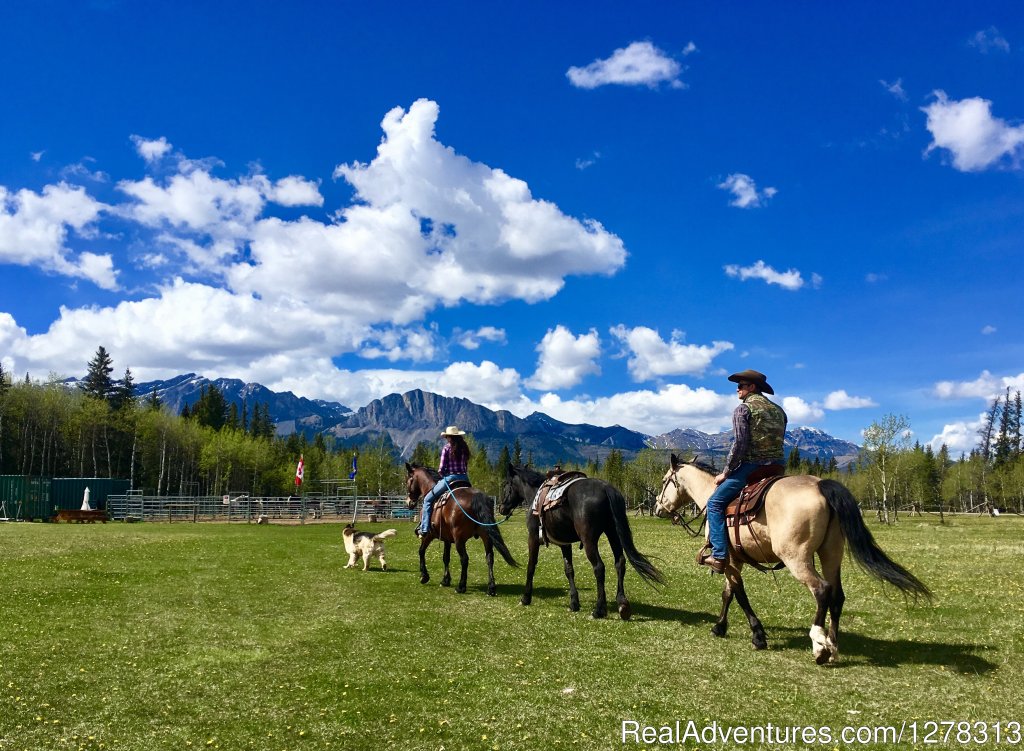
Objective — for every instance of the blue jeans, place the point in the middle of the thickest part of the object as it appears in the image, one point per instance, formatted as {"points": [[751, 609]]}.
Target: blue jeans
{"points": [[724, 494], [428, 499]]}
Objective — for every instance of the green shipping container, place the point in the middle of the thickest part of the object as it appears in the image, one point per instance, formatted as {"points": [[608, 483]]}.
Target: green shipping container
{"points": [[24, 497], [67, 492]]}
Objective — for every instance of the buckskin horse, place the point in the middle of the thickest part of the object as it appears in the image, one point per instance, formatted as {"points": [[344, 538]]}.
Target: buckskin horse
{"points": [[468, 514], [802, 515], [590, 508]]}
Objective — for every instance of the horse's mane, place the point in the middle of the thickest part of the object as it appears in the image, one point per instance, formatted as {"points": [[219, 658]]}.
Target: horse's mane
{"points": [[530, 475], [703, 466], [434, 474]]}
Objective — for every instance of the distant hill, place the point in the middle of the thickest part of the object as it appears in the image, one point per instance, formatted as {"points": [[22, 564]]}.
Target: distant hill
{"points": [[403, 420], [291, 413]]}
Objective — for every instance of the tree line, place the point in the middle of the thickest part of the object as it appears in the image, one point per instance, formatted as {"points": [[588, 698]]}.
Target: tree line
{"points": [[101, 428]]}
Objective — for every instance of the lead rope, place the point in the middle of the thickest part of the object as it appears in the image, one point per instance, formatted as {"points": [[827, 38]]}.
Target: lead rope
{"points": [[456, 501]]}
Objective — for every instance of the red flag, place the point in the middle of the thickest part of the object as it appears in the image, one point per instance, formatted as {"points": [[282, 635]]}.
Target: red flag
{"points": [[299, 472]]}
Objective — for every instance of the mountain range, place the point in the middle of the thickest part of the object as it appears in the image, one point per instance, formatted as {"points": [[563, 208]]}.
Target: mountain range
{"points": [[404, 420]]}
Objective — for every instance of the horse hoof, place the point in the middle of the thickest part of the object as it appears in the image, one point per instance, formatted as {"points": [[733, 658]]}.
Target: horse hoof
{"points": [[525, 601], [424, 579], [625, 611], [460, 590], [599, 614], [574, 607], [759, 644], [719, 629], [823, 657], [492, 591]]}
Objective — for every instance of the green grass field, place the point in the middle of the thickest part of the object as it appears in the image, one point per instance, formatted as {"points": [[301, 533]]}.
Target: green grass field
{"points": [[156, 636]]}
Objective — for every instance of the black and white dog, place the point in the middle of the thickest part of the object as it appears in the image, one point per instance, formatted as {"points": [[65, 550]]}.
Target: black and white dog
{"points": [[365, 544]]}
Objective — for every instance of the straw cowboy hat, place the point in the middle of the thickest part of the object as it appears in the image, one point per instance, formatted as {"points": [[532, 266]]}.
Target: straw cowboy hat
{"points": [[752, 376], [452, 430]]}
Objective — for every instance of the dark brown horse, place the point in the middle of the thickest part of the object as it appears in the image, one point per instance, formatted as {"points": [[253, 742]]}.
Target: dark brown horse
{"points": [[590, 508], [470, 514]]}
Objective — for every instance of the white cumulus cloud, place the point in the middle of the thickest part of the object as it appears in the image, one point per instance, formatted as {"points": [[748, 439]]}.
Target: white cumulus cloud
{"points": [[968, 131], [985, 386], [639, 64], [296, 191], [791, 279], [802, 412], [841, 400], [565, 359], [152, 150], [652, 357], [472, 339], [744, 191], [35, 229], [958, 437], [274, 299]]}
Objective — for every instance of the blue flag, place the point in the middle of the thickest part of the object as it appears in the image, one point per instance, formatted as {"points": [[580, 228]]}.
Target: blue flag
{"points": [[355, 468]]}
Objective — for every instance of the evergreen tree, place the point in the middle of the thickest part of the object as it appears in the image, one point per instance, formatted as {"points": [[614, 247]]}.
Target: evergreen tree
{"points": [[123, 394], [154, 402], [1015, 428], [517, 453], [615, 469], [987, 431], [266, 428], [97, 382], [233, 421], [245, 417], [426, 455], [501, 468], [1003, 450], [793, 462], [212, 408], [5, 380], [481, 473], [254, 424]]}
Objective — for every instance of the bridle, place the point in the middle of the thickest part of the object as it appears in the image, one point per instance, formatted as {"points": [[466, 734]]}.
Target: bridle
{"points": [[678, 519]]}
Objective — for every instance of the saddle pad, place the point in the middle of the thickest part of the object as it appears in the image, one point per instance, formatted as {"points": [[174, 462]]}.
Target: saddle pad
{"points": [[549, 495]]}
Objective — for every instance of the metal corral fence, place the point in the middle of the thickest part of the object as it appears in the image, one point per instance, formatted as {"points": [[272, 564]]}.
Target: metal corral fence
{"points": [[135, 506]]}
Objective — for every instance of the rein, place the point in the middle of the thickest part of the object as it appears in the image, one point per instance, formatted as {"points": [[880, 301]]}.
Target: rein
{"points": [[456, 501], [678, 519]]}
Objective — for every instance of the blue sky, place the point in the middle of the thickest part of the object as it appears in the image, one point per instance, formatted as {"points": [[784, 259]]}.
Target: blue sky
{"points": [[595, 210]]}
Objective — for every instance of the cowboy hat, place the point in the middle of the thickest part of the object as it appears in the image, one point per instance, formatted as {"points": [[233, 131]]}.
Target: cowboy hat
{"points": [[452, 430], [752, 376]]}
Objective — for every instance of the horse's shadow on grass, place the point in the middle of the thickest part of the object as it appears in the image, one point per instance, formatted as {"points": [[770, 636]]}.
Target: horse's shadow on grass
{"points": [[885, 653], [643, 612], [516, 590]]}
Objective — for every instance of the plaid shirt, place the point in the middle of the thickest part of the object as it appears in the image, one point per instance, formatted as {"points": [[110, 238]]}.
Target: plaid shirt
{"points": [[451, 464]]}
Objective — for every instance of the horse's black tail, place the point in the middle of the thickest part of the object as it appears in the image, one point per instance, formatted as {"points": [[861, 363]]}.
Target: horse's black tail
{"points": [[483, 510], [862, 543], [638, 560]]}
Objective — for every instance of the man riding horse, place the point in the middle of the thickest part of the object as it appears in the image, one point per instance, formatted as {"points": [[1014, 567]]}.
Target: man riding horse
{"points": [[759, 431]]}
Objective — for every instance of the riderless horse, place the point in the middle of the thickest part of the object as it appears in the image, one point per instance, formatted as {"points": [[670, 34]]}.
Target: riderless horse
{"points": [[468, 513], [801, 516], [590, 508]]}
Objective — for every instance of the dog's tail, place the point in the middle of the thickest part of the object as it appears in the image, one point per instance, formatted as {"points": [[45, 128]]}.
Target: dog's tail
{"points": [[385, 535]]}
